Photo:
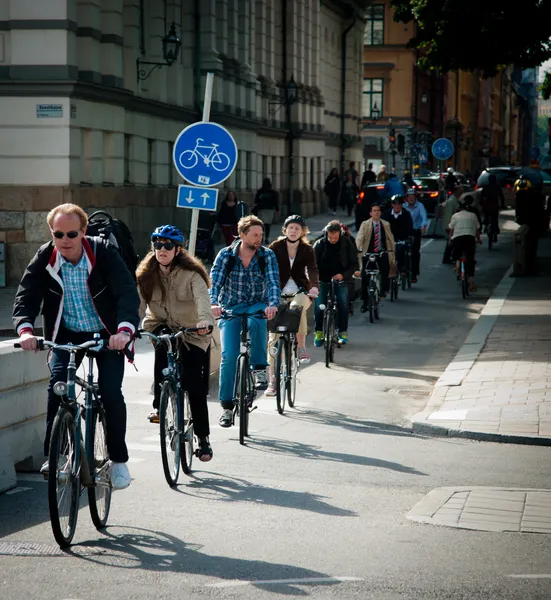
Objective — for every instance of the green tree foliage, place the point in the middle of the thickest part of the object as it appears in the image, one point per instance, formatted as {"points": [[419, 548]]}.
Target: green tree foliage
{"points": [[478, 35]]}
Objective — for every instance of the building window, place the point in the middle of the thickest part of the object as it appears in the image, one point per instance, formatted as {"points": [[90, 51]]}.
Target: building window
{"points": [[375, 25], [372, 98]]}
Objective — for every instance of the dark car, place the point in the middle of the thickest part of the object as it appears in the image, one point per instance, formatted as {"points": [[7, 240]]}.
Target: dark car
{"points": [[431, 192], [374, 192], [506, 177]]}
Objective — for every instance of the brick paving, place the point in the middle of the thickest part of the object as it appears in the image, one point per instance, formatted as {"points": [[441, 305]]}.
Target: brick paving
{"points": [[486, 509]]}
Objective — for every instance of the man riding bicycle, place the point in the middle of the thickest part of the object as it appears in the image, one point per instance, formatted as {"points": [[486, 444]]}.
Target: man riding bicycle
{"points": [[84, 287], [420, 223], [491, 198], [375, 236], [401, 226], [464, 233], [337, 260], [245, 278]]}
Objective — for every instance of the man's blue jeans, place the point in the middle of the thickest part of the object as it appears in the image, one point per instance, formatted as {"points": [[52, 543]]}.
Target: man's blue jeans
{"points": [[342, 306], [230, 331]]}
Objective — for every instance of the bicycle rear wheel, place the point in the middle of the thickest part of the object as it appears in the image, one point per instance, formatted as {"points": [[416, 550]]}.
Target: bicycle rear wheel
{"points": [[281, 374], [370, 305], [244, 392], [63, 477], [99, 496], [170, 437], [187, 435], [328, 336]]}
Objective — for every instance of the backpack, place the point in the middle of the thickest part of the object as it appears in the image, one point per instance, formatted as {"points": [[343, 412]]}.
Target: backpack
{"points": [[261, 258], [102, 224]]}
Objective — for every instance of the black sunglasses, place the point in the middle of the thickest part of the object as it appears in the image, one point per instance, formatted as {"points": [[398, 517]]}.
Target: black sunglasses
{"points": [[61, 234], [166, 245]]}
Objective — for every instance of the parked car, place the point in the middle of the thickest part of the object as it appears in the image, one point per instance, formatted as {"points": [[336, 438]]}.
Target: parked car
{"points": [[374, 192], [431, 192], [506, 177]]}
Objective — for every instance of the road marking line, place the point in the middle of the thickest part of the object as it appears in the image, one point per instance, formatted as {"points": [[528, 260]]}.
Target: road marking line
{"points": [[425, 244], [31, 477], [306, 580], [144, 447], [17, 490], [532, 576]]}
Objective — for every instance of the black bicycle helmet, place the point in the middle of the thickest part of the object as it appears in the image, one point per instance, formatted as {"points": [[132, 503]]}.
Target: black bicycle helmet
{"points": [[397, 198], [168, 232], [294, 219]]}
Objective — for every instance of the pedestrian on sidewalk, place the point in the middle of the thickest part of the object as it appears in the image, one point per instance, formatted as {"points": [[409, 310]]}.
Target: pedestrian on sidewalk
{"points": [[349, 193], [173, 287], [266, 205], [227, 217], [81, 286], [368, 176], [332, 189], [382, 175]]}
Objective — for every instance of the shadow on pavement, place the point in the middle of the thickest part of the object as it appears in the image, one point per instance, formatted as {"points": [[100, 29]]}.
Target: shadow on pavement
{"points": [[145, 549], [300, 450], [215, 486]]}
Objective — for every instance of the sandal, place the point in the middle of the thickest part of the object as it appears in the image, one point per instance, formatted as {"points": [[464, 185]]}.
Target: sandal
{"points": [[204, 452], [153, 416]]}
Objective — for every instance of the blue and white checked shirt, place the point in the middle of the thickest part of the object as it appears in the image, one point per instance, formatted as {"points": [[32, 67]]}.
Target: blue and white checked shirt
{"points": [[244, 285], [79, 313], [418, 214]]}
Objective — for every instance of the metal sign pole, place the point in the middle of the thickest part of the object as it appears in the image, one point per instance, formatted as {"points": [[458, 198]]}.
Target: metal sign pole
{"points": [[206, 117]]}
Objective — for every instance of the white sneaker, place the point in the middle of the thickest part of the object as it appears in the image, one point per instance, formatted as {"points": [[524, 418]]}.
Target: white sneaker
{"points": [[120, 476], [260, 379], [271, 391]]}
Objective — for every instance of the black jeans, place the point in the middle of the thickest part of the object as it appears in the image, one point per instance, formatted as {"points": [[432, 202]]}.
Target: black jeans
{"points": [[195, 376], [465, 244], [110, 373], [333, 199], [384, 267], [342, 306], [416, 254]]}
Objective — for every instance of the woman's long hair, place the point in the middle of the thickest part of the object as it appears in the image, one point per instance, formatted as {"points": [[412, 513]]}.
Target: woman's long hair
{"points": [[148, 272]]}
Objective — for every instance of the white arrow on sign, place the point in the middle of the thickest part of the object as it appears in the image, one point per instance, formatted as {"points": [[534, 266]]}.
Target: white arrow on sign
{"points": [[189, 198], [205, 197]]}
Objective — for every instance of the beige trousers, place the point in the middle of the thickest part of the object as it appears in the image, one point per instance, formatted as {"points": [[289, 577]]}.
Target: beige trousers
{"points": [[302, 300]]}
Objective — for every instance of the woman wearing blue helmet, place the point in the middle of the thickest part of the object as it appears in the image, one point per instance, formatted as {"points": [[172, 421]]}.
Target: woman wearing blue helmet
{"points": [[174, 286]]}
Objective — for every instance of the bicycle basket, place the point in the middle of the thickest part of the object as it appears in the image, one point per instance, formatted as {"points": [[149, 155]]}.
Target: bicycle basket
{"points": [[287, 319]]}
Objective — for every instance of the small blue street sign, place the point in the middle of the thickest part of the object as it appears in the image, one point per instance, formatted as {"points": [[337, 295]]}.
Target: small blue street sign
{"points": [[196, 197], [442, 149], [423, 156], [205, 154]]}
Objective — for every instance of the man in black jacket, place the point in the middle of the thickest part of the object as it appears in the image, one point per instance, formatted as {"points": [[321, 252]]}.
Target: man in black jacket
{"points": [[401, 225], [337, 260], [85, 287]]}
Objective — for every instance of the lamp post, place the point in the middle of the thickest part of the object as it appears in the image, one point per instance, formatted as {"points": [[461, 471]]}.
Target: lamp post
{"points": [[171, 48], [289, 97], [392, 142]]}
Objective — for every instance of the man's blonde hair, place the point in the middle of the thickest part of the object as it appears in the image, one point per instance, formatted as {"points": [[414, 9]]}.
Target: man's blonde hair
{"points": [[245, 223], [67, 209]]}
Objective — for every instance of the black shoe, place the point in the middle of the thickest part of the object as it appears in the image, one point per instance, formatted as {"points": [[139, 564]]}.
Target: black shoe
{"points": [[204, 452], [364, 307], [414, 280], [226, 418]]}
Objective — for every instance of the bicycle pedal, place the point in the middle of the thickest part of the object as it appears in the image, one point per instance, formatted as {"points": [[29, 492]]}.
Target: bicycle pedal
{"points": [[251, 408]]}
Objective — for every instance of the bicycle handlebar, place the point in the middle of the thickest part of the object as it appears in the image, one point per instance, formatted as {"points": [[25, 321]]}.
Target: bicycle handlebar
{"points": [[94, 345], [170, 336], [300, 290], [230, 314]]}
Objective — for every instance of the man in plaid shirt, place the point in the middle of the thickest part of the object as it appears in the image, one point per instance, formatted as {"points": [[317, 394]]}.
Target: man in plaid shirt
{"points": [[245, 278]]}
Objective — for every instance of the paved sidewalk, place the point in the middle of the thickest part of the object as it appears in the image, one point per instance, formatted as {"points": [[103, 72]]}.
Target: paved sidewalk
{"points": [[315, 223], [498, 387]]}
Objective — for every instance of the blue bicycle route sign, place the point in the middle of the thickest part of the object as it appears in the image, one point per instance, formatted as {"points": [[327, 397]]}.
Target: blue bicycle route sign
{"points": [[205, 154], [442, 149]]}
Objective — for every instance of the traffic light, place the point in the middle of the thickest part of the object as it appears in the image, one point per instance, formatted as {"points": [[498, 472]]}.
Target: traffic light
{"points": [[401, 143], [392, 137], [409, 138]]}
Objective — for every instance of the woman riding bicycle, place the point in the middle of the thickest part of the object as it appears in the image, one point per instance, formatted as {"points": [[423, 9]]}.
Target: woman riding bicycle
{"points": [[297, 269], [174, 287]]}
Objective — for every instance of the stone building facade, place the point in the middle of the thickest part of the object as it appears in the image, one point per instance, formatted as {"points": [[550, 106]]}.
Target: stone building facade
{"points": [[77, 125]]}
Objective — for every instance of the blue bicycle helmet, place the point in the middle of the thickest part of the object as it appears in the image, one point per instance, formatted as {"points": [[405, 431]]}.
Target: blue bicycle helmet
{"points": [[168, 232]]}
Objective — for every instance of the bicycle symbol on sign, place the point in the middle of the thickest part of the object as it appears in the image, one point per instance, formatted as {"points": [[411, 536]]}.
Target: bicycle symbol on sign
{"points": [[219, 161]]}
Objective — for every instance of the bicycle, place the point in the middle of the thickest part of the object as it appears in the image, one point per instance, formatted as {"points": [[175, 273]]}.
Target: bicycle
{"points": [[219, 161], [462, 276], [244, 393], [330, 337], [175, 421], [287, 362], [77, 464], [405, 273], [372, 272]]}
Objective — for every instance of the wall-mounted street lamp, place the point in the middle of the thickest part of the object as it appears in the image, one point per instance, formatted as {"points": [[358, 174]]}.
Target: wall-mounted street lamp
{"points": [[291, 89], [375, 113], [171, 49]]}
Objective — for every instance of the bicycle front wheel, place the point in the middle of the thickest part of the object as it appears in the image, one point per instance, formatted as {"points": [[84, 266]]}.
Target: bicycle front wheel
{"points": [[169, 432], [294, 362], [244, 392], [63, 477], [187, 435], [188, 159], [328, 338], [99, 496], [370, 303], [281, 375]]}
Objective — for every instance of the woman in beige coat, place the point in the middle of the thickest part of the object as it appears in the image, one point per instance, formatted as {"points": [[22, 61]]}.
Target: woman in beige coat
{"points": [[174, 286]]}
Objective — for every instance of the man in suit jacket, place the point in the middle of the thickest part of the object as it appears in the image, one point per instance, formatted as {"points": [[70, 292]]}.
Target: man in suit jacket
{"points": [[375, 236], [401, 225]]}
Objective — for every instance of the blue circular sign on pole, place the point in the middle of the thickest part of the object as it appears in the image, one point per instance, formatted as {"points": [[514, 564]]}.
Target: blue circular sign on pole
{"points": [[205, 154], [442, 149]]}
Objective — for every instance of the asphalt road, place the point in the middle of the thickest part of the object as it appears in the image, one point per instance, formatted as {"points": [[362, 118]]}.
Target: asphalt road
{"points": [[315, 505]]}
